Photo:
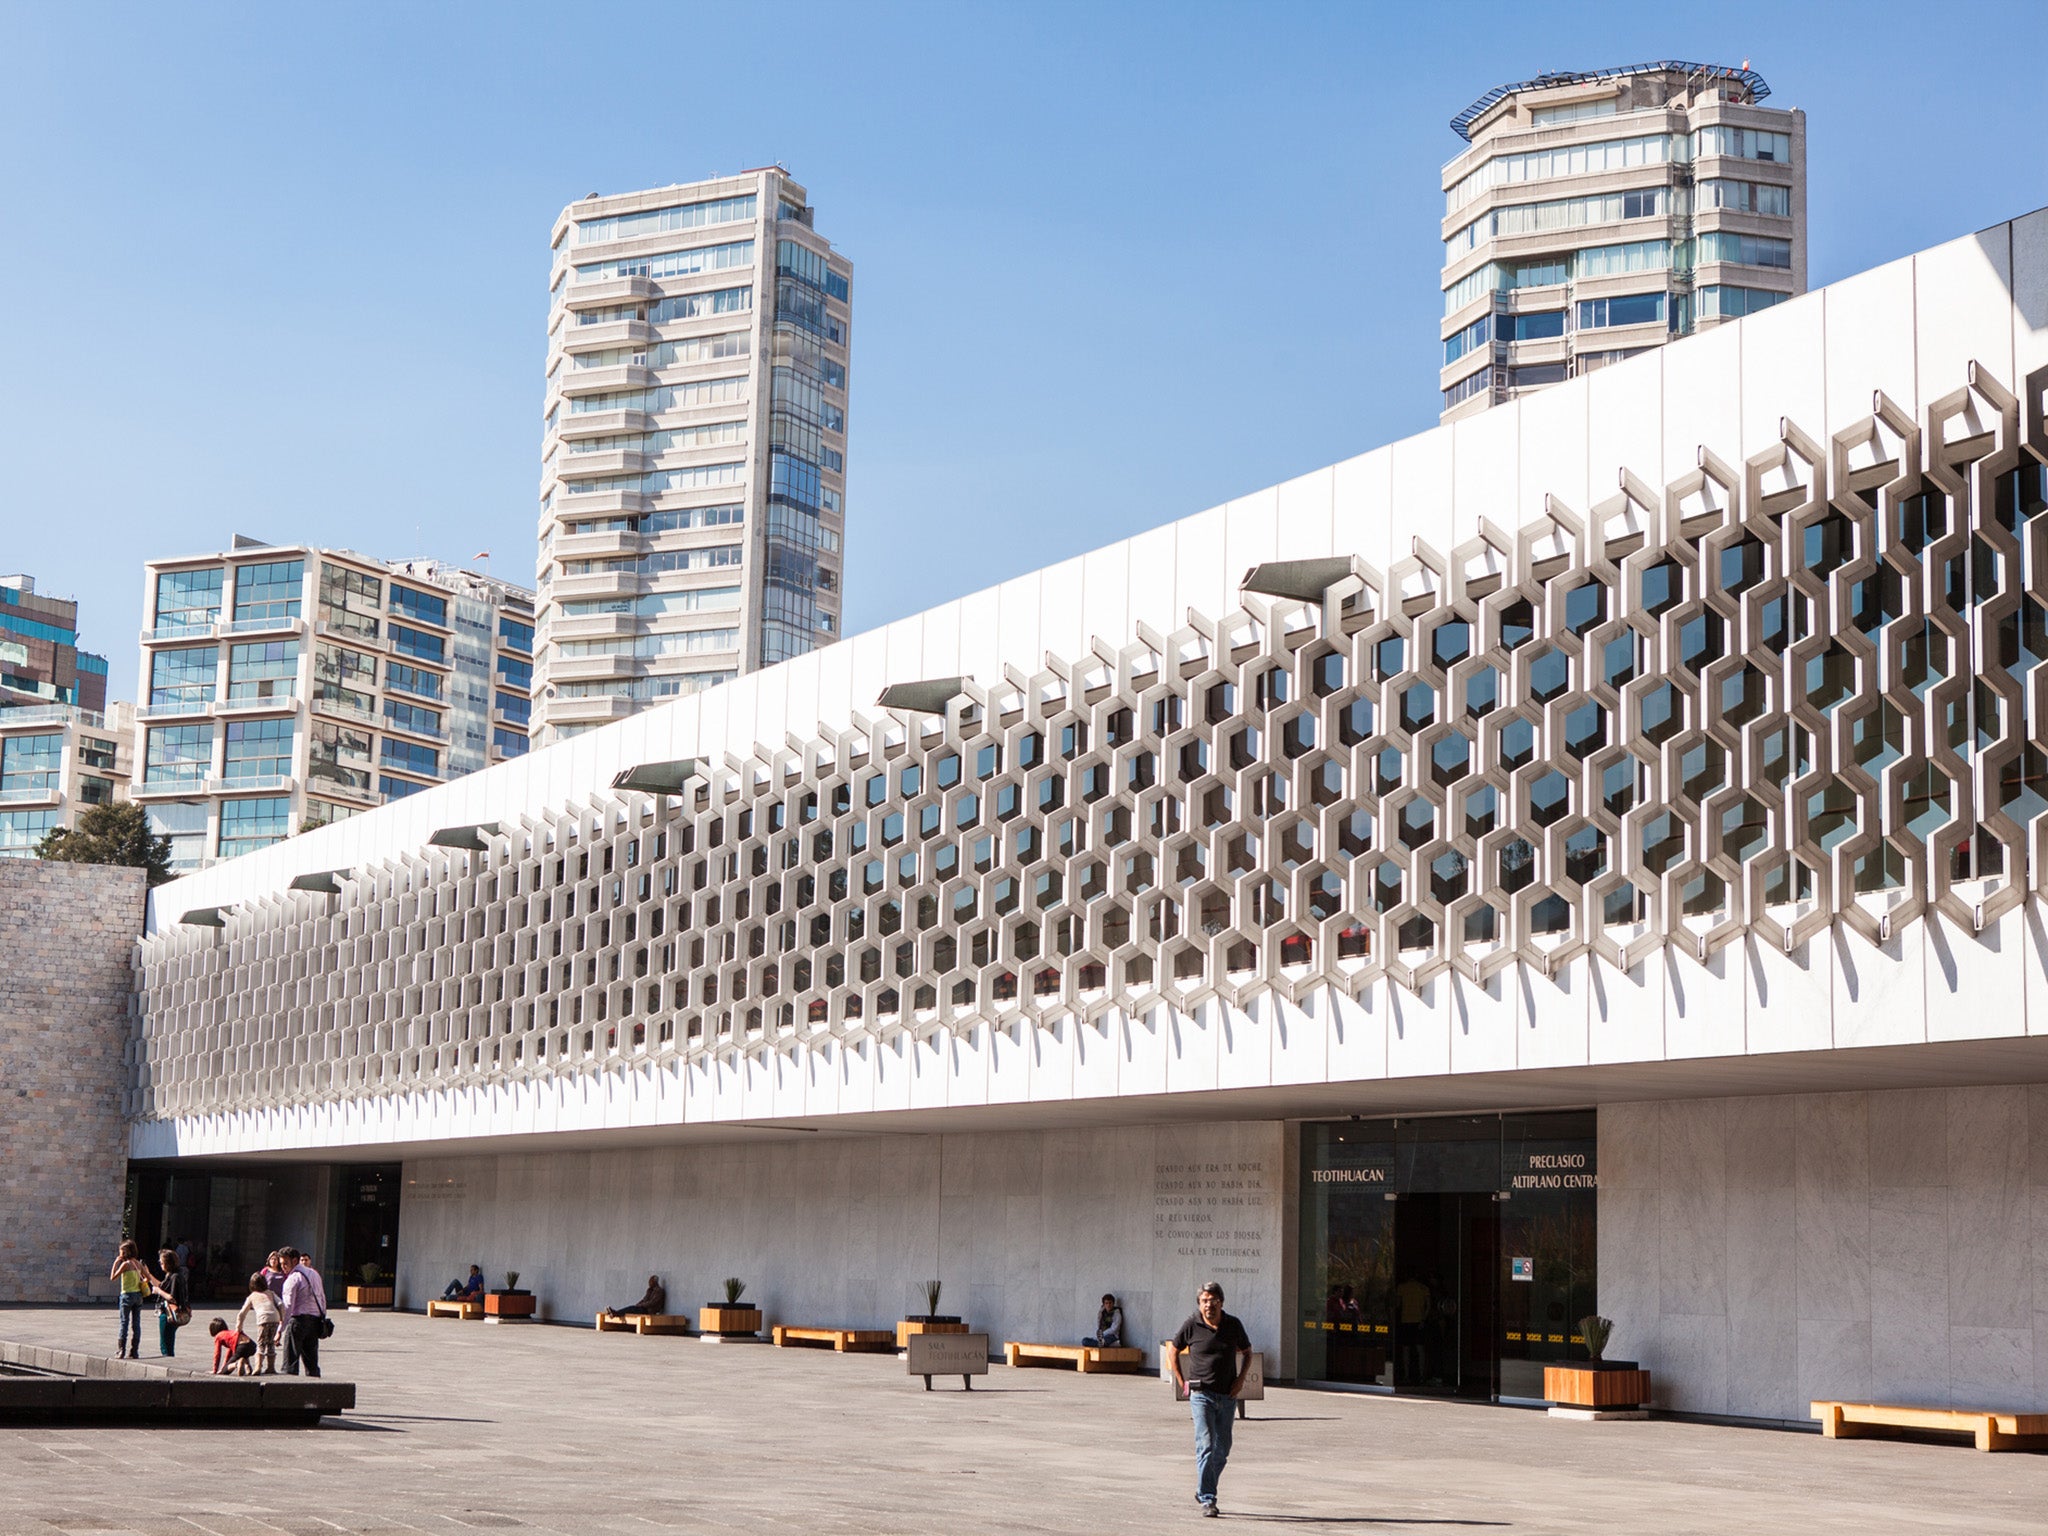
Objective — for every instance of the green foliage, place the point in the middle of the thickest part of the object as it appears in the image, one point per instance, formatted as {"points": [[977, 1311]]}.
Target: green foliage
{"points": [[372, 1273], [117, 833], [511, 1279], [735, 1288], [931, 1297], [1596, 1330]]}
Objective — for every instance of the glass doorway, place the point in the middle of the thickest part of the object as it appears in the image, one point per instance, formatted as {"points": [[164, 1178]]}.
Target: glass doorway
{"points": [[1446, 1256]]}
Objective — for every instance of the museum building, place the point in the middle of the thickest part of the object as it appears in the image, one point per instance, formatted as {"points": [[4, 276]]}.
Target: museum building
{"points": [[1578, 859]]}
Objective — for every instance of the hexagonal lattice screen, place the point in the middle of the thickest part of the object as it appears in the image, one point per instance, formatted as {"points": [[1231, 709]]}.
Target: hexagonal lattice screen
{"points": [[1771, 697]]}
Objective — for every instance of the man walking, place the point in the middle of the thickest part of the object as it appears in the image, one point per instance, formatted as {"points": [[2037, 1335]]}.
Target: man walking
{"points": [[305, 1309], [1219, 1353]]}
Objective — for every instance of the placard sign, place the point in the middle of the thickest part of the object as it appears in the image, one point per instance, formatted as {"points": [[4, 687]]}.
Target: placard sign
{"points": [[948, 1354], [1522, 1269]]}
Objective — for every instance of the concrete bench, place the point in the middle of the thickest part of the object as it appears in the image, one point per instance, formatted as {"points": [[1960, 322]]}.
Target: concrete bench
{"points": [[642, 1323], [461, 1309], [1991, 1431], [841, 1339], [1087, 1359]]}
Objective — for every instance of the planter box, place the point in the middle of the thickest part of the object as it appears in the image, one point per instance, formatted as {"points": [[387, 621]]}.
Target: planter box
{"points": [[914, 1325], [509, 1304], [729, 1322], [370, 1295], [1597, 1384]]}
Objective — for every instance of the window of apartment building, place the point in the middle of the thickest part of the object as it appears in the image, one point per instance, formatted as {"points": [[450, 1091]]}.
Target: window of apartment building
{"points": [[31, 764], [320, 812], [413, 680], [246, 825], [1744, 197], [1477, 334], [412, 717], [411, 757], [515, 634], [269, 592], [21, 831], [184, 823], [1742, 144], [1627, 309], [185, 676], [1529, 375], [1539, 326], [397, 789], [93, 790], [417, 643], [178, 754], [340, 753], [1572, 112], [511, 743], [97, 752], [514, 708], [518, 673], [345, 677], [260, 749], [1745, 250], [187, 599], [350, 602], [268, 669], [1722, 301], [1472, 384], [423, 607]]}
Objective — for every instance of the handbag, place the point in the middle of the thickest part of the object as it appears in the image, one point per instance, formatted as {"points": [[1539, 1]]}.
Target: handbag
{"points": [[180, 1316], [326, 1326]]}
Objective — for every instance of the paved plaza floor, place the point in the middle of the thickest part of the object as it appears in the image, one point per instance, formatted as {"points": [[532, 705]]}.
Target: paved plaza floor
{"points": [[466, 1426]]}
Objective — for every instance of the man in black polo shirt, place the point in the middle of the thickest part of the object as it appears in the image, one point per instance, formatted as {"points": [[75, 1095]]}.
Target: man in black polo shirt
{"points": [[1219, 1352]]}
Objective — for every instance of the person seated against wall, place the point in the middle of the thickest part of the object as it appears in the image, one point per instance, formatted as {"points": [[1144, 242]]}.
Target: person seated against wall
{"points": [[1109, 1325], [232, 1349], [471, 1289], [653, 1304]]}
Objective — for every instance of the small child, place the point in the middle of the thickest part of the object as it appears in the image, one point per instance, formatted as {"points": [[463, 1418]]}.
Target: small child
{"points": [[231, 1351], [260, 1322]]}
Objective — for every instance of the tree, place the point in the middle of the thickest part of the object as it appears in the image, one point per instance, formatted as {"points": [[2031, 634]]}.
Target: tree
{"points": [[116, 833]]}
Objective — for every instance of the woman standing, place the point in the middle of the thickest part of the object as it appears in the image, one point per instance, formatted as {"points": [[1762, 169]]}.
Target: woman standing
{"points": [[174, 1308], [136, 1284]]}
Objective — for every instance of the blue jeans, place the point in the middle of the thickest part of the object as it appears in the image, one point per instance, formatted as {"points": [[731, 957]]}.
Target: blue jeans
{"points": [[1215, 1413], [130, 1341]]}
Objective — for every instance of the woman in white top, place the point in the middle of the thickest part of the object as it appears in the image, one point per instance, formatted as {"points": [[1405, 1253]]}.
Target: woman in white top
{"points": [[259, 1313]]}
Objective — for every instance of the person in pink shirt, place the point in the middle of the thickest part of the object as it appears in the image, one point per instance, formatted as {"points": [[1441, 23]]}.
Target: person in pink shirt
{"points": [[305, 1313]]}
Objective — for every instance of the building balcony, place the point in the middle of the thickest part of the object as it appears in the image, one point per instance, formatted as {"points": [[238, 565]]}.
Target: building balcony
{"points": [[587, 546], [29, 796], [269, 704], [601, 424], [182, 789], [601, 381], [588, 711], [335, 709], [610, 290], [335, 789], [579, 588], [510, 722], [269, 783], [180, 634], [585, 669], [349, 637], [51, 714], [603, 503], [596, 626], [612, 333], [180, 709], [612, 461], [290, 624], [420, 732]]}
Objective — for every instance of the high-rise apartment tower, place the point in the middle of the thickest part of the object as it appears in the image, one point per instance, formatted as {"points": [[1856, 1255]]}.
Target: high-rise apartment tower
{"points": [[1598, 215], [693, 451], [284, 686]]}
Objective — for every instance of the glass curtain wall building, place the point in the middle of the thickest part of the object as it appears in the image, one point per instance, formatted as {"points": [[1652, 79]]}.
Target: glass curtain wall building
{"points": [[288, 687], [1598, 215], [62, 749], [693, 444]]}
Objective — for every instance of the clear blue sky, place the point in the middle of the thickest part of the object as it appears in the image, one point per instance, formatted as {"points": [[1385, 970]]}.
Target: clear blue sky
{"points": [[282, 270]]}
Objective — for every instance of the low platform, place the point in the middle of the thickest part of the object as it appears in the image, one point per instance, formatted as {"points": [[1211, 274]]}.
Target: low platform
{"points": [[461, 1309], [643, 1322], [60, 1386], [840, 1339], [1087, 1359], [1990, 1431]]}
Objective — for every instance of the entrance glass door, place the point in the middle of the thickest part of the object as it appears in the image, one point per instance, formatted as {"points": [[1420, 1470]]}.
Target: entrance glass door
{"points": [[1447, 1255]]}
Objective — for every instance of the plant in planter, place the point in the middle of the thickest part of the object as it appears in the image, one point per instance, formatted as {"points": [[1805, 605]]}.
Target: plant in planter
{"points": [[373, 1292], [511, 1301], [928, 1321], [728, 1319], [1597, 1387], [511, 1279]]}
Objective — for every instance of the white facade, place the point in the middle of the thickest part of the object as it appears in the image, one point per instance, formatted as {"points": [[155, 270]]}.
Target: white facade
{"points": [[57, 761], [286, 686], [1598, 215], [693, 446], [1289, 893]]}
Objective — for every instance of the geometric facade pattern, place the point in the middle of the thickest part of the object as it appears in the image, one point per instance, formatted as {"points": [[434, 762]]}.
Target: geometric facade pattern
{"points": [[1762, 699]]}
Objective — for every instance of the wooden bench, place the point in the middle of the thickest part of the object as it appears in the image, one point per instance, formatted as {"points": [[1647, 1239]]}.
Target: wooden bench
{"points": [[1991, 1431], [1088, 1359], [643, 1323], [461, 1309], [841, 1339]]}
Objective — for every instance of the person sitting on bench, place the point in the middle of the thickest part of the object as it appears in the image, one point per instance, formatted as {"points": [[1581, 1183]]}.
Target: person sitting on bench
{"points": [[471, 1289], [232, 1352], [653, 1304], [1109, 1325]]}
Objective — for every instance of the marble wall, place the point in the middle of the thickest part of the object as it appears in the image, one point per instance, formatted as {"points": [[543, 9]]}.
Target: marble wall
{"points": [[1027, 1229], [1758, 1253]]}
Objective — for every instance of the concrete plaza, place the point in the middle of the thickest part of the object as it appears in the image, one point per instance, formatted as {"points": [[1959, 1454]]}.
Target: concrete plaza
{"points": [[555, 1429]]}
